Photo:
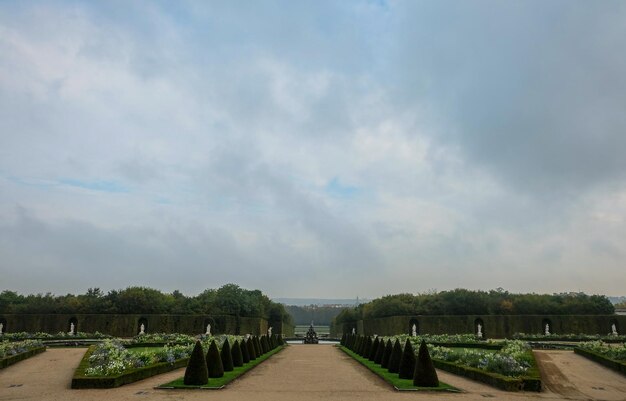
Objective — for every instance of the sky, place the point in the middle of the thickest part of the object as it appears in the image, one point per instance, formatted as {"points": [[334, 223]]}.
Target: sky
{"points": [[313, 148]]}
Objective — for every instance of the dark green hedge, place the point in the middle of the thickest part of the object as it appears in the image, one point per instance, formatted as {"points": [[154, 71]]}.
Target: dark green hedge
{"points": [[10, 360], [612, 364], [81, 381], [531, 382]]}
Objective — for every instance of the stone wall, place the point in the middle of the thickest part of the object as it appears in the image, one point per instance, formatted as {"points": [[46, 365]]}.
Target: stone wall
{"points": [[128, 325], [492, 326]]}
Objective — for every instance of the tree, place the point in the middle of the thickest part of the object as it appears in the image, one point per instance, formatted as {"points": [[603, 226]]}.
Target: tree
{"points": [[214, 361], [425, 374], [386, 355], [196, 373], [236, 355], [407, 362], [394, 359], [227, 357]]}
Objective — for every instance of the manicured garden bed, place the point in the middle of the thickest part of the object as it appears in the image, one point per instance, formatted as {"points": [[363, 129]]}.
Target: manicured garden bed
{"points": [[110, 365], [13, 352], [570, 337], [611, 357], [393, 378], [220, 382]]}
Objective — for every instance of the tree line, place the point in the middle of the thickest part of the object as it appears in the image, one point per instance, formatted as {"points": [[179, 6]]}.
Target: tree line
{"points": [[319, 315], [469, 302], [229, 299]]}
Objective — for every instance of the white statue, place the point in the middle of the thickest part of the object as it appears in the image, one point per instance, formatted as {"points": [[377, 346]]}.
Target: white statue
{"points": [[414, 330], [547, 331], [479, 331], [269, 331], [2, 327], [142, 329], [613, 329], [353, 331], [208, 329], [72, 329]]}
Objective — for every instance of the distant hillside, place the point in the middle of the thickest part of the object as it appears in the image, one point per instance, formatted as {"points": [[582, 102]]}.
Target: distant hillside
{"points": [[320, 301], [614, 300]]}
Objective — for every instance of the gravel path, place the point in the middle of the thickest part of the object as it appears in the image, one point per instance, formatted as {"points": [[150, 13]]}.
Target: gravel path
{"points": [[301, 373]]}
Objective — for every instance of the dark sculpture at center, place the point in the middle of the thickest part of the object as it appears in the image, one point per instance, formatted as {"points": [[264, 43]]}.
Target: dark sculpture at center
{"points": [[311, 336]]}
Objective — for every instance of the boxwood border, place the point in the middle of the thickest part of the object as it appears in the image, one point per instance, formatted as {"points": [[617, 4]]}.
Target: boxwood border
{"points": [[10, 360], [530, 382], [81, 381], [612, 364]]}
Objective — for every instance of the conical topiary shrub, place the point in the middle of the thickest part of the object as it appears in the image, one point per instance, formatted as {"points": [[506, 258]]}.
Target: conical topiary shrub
{"points": [[394, 360], [343, 339], [357, 345], [379, 352], [244, 351], [214, 361], [236, 354], [265, 345], [386, 355], [227, 357], [251, 349], [425, 373], [196, 373], [407, 362], [257, 346], [373, 350], [368, 347]]}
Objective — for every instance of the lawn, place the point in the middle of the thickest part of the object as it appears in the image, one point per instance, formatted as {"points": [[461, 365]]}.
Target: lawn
{"points": [[220, 382], [393, 379]]}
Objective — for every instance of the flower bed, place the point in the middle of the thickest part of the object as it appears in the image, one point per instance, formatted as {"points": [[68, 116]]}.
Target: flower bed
{"points": [[13, 352], [613, 357], [110, 364], [609, 338], [159, 339], [61, 335], [509, 365]]}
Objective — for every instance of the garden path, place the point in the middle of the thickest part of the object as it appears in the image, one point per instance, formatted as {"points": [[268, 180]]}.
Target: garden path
{"points": [[299, 373], [577, 378]]}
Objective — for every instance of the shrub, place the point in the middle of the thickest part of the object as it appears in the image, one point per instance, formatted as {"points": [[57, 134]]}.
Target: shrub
{"points": [[394, 360], [265, 345], [236, 354], [196, 373], [343, 340], [407, 362], [386, 355], [358, 343], [367, 347], [214, 361], [251, 349], [257, 346], [245, 355], [425, 373], [378, 358], [227, 357], [373, 350]]}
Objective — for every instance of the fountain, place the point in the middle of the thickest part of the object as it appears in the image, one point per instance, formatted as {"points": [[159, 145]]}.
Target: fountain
{"points": [[311, 336]]}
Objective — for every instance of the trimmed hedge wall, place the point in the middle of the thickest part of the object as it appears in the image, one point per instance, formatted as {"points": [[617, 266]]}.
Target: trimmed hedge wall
{"points": [[493, 326], [80, 381], [612, 364], [10, 360], [119, 325]]}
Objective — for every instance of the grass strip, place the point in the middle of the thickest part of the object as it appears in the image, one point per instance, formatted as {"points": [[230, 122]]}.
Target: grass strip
{"points": [[392, 378], [220, 382]]}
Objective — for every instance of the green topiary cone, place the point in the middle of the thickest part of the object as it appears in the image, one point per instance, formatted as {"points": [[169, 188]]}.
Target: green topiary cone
{"points": [[236, 354], [425, 373], [214, 361], [378, 358], [265, 345], [357, 345], [386, 355], [257, 346], [251, 349], [368, 347], [196, 373], [394, 360], [227, 357], [407, 362], [245, 355], [373, 350]]}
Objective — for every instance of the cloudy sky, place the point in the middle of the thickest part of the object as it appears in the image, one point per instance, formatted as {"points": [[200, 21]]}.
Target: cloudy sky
{"points": [[311, 148]]}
